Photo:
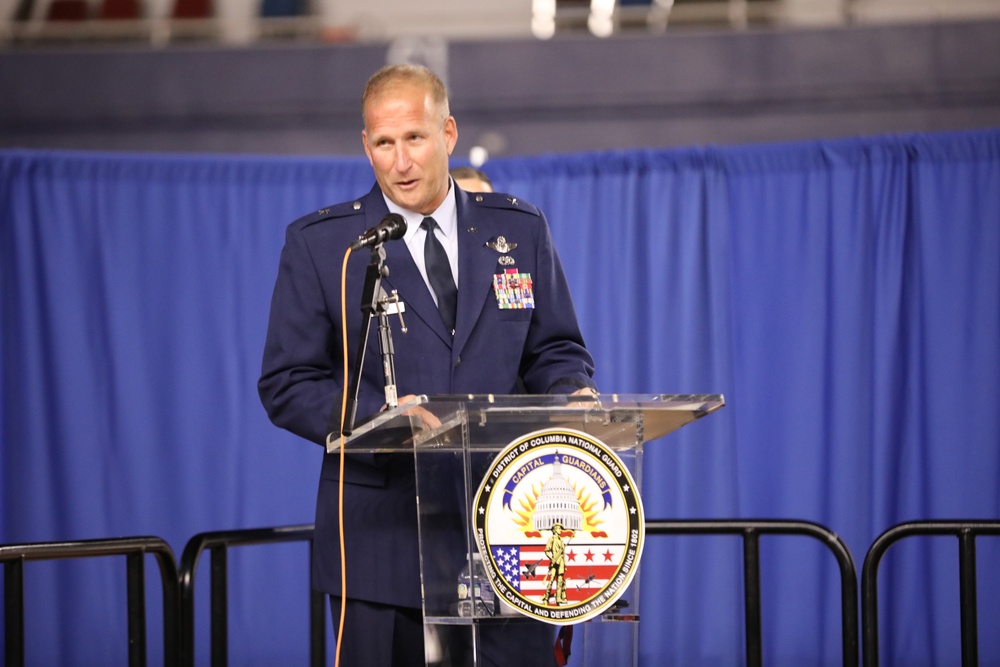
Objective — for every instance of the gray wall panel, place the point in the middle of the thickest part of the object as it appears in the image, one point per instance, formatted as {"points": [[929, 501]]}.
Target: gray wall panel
{"points": [[564, 95]]}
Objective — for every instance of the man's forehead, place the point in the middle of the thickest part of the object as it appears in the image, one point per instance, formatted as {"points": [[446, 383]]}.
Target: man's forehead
{"points": [[391, 128]]}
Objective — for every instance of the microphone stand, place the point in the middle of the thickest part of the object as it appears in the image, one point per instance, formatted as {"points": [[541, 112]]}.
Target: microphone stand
{"points": [[374, 301]]}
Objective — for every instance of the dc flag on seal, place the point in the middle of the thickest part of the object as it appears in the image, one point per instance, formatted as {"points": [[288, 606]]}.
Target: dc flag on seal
{"points": [[589, 568]]}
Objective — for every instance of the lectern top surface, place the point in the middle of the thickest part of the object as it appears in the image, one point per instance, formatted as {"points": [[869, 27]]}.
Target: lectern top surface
{"points": [[490, 421]]}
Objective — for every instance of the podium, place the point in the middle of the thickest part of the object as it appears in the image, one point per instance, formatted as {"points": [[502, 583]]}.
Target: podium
{"points": [[541, 495]]}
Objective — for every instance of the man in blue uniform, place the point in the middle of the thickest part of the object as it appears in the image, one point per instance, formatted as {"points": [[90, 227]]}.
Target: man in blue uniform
{"points": [[488, 310]]}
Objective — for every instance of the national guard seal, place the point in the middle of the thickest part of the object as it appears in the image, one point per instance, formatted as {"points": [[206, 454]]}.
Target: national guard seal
{"points": [[559, 524]]}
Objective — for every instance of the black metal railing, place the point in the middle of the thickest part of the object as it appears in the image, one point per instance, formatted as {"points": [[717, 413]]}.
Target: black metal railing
{"points": [[751, 530], [966, 532], [14, 556], [218, 543], [178, 583]]}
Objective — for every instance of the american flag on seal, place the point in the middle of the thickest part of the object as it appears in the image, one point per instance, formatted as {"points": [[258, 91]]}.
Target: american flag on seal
{"points": [[589, 568]]}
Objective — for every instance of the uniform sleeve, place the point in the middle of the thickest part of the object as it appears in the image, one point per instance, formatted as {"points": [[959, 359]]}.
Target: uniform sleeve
{"points": [[299, 381]]}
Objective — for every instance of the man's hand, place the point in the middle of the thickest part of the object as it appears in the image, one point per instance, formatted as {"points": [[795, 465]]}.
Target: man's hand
{"points": [[585, 391], [427, 419]]}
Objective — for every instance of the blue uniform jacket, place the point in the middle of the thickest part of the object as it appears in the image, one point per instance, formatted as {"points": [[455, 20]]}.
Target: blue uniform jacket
{"points": [[492, 349]]}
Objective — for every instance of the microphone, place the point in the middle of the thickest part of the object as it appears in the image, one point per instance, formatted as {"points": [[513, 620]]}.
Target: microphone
{"points": [[392, 227]]}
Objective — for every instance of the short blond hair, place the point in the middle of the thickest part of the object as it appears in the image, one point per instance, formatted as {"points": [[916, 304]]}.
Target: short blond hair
{"points": [[390, 76]]}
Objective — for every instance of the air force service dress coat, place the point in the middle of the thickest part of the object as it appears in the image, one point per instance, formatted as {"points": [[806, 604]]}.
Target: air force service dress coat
{"points": [[492, 348]]}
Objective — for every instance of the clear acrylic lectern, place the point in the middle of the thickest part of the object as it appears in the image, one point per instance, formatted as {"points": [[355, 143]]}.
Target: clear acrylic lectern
{"points": [[545, 491]]}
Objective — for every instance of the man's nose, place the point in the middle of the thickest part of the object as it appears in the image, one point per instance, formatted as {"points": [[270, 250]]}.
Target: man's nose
{"points": [[403, 160]]}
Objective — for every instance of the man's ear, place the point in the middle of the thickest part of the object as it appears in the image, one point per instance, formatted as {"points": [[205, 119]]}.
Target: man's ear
{"points": [[364, 140], [450, 133]]}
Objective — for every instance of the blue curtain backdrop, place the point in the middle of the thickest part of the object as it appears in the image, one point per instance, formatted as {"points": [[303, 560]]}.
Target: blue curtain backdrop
{"points": [[843, 295]]}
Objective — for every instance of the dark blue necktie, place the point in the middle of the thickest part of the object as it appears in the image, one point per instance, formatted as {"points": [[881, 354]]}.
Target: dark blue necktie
{"points": [[439, 274]]}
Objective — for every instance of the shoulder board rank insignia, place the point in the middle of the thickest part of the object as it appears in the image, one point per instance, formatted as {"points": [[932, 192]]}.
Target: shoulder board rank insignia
{"points": [[500, 245]]}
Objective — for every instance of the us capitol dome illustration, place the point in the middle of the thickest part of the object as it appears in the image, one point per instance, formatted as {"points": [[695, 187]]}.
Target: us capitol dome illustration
{"points": [[557, 503]]}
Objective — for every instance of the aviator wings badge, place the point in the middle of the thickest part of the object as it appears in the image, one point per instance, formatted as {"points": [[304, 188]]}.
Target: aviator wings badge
{"points": [[500, 245]]}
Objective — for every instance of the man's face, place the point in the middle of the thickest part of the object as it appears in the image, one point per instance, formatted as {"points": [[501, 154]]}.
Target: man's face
{"points": [[408, 147]]}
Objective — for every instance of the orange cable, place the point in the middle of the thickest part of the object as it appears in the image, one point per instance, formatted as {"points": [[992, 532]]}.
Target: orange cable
{"points": [[340, 489]]}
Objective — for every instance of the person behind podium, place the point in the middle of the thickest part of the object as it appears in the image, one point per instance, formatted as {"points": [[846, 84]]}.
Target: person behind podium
{"points": [[471, 179], [483, 344]]}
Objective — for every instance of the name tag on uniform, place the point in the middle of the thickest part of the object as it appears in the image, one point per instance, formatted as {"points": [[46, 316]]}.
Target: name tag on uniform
{"points": [[513, 289]]}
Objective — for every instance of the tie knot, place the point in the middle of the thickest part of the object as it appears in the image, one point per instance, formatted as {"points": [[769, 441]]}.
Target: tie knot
{"points": [[429, 224]]}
